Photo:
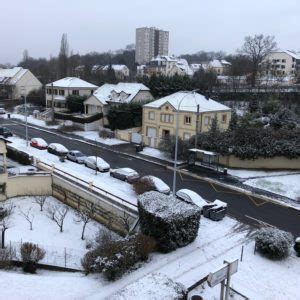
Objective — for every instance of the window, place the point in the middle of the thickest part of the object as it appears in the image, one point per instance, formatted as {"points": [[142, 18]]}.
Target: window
{"points": [[187, 120], [282, 66], [224, 118], [62, 92], [186, 136], [166, 118], [206, 120], [283, 60], [151, 115], [55, 91], [75, 92]]}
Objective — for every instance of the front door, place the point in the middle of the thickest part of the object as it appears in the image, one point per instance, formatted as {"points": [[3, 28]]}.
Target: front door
{"points": [[151, 134]]}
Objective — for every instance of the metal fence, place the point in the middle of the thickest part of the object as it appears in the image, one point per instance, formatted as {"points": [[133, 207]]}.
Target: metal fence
{"points": [[55, 256]]}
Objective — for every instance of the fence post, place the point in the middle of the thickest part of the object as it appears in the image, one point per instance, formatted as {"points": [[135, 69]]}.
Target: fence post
{"points": [[90, 184], [65, 257], [242, 253]]}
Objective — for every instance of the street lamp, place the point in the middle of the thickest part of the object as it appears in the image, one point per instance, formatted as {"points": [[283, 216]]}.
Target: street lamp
{"points": [[176, 138], [23, 91]]}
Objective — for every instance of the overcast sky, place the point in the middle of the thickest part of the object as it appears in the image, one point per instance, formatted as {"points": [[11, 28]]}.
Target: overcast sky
{"points": [[100, 25]]}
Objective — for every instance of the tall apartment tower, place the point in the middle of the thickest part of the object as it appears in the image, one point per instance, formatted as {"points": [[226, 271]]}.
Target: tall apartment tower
{"points": [[149, 43]]}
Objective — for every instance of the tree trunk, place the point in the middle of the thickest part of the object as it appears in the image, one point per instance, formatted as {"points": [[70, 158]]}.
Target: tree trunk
{"points": [[83, 229], [3, 239]]}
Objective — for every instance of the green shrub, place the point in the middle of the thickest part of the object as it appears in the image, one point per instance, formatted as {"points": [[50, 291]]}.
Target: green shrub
{"points": [[273, 243], [19, 156]]}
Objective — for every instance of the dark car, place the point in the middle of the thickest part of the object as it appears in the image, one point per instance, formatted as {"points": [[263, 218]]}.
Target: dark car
{"points": [[5, 132], [125, 174], [57, 149]]}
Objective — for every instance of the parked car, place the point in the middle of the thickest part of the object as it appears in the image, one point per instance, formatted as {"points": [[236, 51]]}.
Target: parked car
{"points": [[76, 156], [216, 210], [57, 149], [191, 197], [38, 143], [157, 184], [5, 132], [2, 111], [98, 163], [126, 174]]}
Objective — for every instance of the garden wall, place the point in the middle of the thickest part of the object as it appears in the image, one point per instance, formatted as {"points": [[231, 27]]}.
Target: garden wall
{"points": [[277, 162], [125, 135]]}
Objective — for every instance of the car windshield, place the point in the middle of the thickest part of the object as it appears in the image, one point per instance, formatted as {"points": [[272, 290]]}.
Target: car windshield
{"points": [[78, 154]]}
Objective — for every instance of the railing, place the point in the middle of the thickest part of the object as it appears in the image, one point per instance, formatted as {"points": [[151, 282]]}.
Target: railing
{"points": [[88, 184]]}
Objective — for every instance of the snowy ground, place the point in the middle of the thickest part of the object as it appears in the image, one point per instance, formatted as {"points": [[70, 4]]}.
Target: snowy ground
{"points": [[284, 183], [101, 180], [158, 154], [94, 136], [31, 120], [46, 233], [257, 277]]}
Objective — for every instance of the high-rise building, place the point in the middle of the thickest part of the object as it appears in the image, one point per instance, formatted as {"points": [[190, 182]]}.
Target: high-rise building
{"points": [[150, 42]]}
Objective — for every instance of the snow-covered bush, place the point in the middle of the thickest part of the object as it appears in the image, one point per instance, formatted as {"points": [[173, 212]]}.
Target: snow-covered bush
{"points": [[106, 133], [273, 243], [31, 255], [171, 222], [143, 185], [115, 257]]}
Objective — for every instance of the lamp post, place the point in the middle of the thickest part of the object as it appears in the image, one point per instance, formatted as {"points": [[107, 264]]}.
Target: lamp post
{"points": [[23, 91], [176, 139]]}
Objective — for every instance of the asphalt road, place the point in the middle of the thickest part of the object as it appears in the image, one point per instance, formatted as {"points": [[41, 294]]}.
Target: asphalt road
{"points": [[248, 209]]}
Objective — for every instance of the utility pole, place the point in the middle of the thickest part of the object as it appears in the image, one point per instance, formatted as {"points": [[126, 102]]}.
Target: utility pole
{"points": [[23, 91], [197, 125]]}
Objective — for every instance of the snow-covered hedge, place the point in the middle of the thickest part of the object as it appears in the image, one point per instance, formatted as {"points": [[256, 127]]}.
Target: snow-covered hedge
{"points": [[273, 243], [171, 222], [153, 286]]}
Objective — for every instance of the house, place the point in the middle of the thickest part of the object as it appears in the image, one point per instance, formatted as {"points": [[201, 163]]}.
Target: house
{"points": [[59, 90], [282, 62], [220, 67], [121, 71], [159, 117], [16, 82], [114, 94], [168, 66]]}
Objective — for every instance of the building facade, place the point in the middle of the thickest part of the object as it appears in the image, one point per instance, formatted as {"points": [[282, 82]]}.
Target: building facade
{"points": [[17, 82], [150, 42], [59, 90], [282, 62], [159, 117]]}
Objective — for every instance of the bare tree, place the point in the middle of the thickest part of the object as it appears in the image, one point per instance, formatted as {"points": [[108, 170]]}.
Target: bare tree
{"points": [[63, 56], [85, 213], [28, 216], [58, 213], [125, 221], [40, 200], [257, 48], [5, 220]]}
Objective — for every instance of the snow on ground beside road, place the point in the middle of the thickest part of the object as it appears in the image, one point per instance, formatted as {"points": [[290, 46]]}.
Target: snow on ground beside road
{"points": [[246, 173], [101, 180], [94, 136], [288, 185], [158, 154], [32, 120], [15, 285]]}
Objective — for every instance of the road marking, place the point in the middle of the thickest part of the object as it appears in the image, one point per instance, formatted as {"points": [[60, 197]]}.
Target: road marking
{"points": [[127, 158], [256, 202], [260, 221]]}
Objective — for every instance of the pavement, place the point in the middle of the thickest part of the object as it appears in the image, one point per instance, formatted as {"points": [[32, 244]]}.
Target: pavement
{"points": [[246, 207]]}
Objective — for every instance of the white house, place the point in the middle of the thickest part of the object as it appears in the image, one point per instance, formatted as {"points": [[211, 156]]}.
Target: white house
{"points": [[283, 62], [114, 94], [59, 90], [16, 82], [121, 71]]}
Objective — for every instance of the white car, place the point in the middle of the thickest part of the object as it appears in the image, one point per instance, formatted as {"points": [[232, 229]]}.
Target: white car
{"points": [[191, 197], [57, 149], [157, 184], [95, 162], [76, 156]]}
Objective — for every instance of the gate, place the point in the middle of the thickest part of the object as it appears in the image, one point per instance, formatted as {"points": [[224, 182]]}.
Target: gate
{"points": [[136, 138]]}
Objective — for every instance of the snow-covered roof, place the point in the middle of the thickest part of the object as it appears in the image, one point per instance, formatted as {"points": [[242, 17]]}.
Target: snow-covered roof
{"points": [[72, 82], [184, 66], [123, 92], [115, 67], [289, 52], [219, 63], [189, 102], [11, 76]]}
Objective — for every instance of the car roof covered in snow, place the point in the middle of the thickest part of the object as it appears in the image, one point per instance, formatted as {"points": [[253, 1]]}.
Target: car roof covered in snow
{"points": [[40, 141], [194, 197]]}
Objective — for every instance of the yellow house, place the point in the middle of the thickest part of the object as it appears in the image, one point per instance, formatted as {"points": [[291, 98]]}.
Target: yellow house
{"points": [[159, 117]]}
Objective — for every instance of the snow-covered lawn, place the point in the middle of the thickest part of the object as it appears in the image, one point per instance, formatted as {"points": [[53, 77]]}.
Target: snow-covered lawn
{"points": [[158, 154], [94, 136], [32, 120], [257, 277], [247, 173], [46, 232], [286, 185], [101, 180]]}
